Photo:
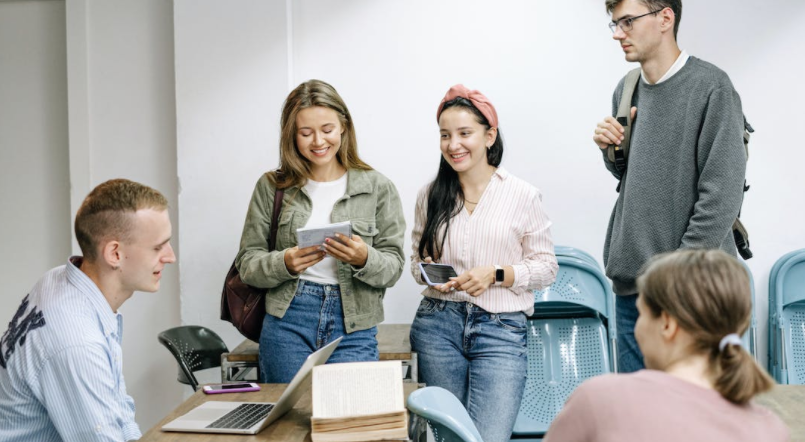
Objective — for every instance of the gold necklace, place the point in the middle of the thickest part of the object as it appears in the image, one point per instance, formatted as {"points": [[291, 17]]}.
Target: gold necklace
{"points": [[471, 202]]}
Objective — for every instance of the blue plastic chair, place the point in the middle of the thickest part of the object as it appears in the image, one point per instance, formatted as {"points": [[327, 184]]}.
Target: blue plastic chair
{"points": [[575, 253], [571, 337], [750, 337], [774, 343], [788, 285], [446, 416]]}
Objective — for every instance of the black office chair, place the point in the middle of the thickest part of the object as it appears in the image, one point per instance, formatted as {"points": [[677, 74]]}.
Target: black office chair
{"points": [[195, 348]]}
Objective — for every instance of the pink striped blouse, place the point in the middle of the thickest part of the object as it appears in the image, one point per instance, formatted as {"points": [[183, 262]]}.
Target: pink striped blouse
{"points": [[507, 227]]}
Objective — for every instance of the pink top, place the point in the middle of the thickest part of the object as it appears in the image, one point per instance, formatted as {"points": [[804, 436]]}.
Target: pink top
{"points": [[507, 227], [651, 405]]}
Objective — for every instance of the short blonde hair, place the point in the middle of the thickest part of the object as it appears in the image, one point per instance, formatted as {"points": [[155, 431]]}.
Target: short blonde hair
{"points": [[709, 294], [107, 211]]}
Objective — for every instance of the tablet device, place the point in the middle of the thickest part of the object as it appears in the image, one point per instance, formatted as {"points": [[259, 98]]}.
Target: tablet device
{"points": [[436, 274]]}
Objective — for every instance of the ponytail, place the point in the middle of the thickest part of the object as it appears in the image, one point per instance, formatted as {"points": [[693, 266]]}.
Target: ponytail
{"points": [[738, 377], [709, 294]]}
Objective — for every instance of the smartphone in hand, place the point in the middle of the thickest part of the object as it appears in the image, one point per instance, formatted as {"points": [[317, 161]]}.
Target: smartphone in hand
{"points": [[436, 274], [230, 388]]}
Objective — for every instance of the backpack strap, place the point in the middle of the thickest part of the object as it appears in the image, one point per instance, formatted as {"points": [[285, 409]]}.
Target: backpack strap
{"points": [[272, 235], [619, 154]]}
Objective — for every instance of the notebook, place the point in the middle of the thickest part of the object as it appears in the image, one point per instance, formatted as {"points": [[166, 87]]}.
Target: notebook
{"points": [[250, 417]]}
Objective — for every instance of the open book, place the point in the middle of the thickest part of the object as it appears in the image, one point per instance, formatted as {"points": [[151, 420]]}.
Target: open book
{"points": [[358, 401]]}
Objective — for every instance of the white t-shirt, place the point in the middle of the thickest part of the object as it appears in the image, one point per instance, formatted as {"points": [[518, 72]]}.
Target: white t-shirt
{"points": [[324, 196]]}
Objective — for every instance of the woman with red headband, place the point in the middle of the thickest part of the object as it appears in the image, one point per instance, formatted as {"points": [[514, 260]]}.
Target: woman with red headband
{"points": [[470, 333]]}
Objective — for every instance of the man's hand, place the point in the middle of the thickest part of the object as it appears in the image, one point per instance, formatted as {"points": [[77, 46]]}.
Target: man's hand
{"points": [[610, 131], [297, 260], [349, 250]]}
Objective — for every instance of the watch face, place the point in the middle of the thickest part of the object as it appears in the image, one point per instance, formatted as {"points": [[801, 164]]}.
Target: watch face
{"points": [[499, 275]]}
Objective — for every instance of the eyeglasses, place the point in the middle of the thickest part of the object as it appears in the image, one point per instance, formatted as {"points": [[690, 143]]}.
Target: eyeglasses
{"points": [[626, 23]]}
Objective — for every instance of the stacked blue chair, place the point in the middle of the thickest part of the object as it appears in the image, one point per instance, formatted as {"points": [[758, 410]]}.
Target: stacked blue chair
{"points": [[571, 337], [575, 253], [446, 416], [787, 319], [750, 337]]}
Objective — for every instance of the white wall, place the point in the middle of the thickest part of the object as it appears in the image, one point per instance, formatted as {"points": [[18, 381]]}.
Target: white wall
{"points": [[549, 67], [122, 124], [34, 184]]}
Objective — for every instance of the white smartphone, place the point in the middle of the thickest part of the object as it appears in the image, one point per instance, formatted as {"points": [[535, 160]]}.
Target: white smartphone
{"points": [[230, 388], [436, 274]]}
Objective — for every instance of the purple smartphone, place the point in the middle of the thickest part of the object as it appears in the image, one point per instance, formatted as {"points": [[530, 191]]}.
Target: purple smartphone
{"points": [[230, 388]]}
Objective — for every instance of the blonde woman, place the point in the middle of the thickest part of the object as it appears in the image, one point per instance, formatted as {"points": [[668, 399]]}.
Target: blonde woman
{"points": [[320, 293], [699, 382]]}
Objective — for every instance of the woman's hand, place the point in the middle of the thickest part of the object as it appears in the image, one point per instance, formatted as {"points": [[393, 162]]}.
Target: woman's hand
{"points": [[351, 251], [297, 260], [474, 281]]}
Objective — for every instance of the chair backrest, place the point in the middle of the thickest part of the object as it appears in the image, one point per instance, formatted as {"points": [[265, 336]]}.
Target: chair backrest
{"points": [[750, 337], [575, 253], [775, 343], [578, 283], [195, 348], [570, 338], [562, 353], [446, 416], [789, 318]]}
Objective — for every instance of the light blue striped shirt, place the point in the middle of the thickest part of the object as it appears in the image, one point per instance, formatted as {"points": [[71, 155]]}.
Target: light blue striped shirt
{"points": [[61, 363]]}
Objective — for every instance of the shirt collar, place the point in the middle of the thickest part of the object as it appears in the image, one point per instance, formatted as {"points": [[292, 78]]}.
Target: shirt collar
{"points": [[501, 173], [110, 321], [676, 67]]}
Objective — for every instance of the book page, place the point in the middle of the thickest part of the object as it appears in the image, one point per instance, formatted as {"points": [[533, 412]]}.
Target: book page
{"points": [[357, 388], [311, 236]]}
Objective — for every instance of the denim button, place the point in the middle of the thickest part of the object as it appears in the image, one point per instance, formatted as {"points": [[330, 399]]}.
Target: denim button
{"points": [[352, 325]]}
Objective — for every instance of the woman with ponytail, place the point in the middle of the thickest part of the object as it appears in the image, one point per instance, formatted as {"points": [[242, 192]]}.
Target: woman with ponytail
{"points": [[470, 333], [699, 383]]}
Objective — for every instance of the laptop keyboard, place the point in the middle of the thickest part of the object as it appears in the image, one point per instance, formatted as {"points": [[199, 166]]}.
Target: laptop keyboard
{"points": [[243, 417]]}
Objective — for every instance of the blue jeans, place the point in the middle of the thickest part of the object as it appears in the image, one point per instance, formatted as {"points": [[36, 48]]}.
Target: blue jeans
{"points": [[630, 358], [314, 319], [478, 356]]}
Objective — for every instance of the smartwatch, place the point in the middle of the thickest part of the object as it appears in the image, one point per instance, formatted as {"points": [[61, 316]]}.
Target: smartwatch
{"points": [[499, 275]]}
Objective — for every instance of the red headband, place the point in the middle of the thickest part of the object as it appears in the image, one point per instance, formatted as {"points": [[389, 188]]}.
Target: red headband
{"points": [[477, 99]]}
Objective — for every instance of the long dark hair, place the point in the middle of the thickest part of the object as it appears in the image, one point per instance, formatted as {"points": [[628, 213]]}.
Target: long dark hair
{"points": [[445, 195]]}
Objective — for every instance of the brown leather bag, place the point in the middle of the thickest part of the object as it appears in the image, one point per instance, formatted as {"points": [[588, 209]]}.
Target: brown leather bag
{"points": [[241, 304]]}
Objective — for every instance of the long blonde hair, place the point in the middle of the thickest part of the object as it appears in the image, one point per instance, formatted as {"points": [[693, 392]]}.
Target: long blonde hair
{"points": [[295, 168], [708, 292]]}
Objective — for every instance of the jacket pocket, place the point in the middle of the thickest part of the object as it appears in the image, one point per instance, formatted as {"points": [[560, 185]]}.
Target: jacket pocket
{"points": [[366, 229], [286, 234]]}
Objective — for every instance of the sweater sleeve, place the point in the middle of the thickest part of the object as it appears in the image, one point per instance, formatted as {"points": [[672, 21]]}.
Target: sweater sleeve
{"points": [[721, 162]]}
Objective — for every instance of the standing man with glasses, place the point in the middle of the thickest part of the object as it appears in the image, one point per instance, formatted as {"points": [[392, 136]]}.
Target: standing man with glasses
{"points": [[683, 182]]}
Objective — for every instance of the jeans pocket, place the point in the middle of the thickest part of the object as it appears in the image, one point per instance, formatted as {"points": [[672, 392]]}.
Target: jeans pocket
{"points": [[426, 307], [514, 321]]}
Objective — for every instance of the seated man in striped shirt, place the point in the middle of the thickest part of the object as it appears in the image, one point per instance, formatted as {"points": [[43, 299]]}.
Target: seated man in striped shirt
{"points": [[61, 375]]}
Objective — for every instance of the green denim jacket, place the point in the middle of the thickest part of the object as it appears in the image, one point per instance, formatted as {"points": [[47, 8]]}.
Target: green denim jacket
{"points": [[371, 203]]}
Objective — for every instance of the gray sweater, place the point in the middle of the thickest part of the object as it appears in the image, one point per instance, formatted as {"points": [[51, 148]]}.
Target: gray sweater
{"points": [[684, 181]]}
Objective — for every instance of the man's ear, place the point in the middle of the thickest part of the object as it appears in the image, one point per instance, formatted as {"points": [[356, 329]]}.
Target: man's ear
{"points": [[668, 20], [670, 326], [111, 254]]}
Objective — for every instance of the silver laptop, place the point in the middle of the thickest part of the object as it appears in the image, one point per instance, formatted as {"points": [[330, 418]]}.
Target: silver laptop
{"points": [[250, 417]]}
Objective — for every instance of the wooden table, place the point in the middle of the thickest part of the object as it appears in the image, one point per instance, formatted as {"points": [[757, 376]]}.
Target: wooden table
{"points": [[294, 426], [788, 402], [392, 343]]}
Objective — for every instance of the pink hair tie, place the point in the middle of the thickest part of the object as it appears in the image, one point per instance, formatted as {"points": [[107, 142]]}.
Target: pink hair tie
{"points": [[477, 99]]}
